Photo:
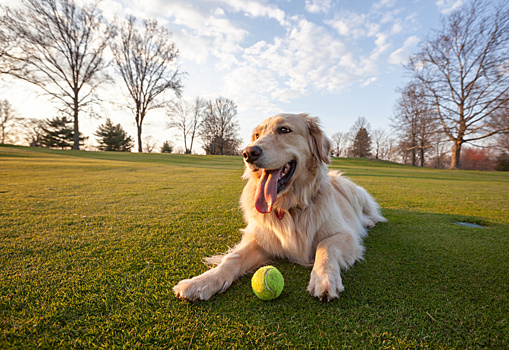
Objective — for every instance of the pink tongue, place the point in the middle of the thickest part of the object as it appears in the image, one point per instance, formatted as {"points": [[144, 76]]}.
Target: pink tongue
{"points": [[266, 192]]}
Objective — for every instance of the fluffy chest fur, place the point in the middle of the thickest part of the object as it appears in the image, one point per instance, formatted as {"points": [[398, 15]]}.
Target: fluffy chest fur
{"points": [[304, 224]]}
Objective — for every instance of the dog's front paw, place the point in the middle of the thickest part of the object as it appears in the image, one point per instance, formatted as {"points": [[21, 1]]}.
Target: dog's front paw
{"points": [[327, 285], [200, 288]]}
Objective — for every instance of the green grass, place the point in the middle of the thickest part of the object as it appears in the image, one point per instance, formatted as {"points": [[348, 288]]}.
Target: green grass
{"points": [[92, 243]]}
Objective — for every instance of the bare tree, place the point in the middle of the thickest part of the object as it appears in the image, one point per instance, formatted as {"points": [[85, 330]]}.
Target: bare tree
{"points": [[360, 122], [379, 138], [339, 143], [186, 118], [8, 43], [146, 60], [59, 48], [7, 119], [464, 71], [150, 143], [390, 149], [503, 142], [414, 121], [32, 130], [219, 128], [4, 46], [500, 120]]}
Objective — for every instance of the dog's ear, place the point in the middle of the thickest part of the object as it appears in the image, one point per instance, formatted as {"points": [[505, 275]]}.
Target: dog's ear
{"points": [[318, 142]]}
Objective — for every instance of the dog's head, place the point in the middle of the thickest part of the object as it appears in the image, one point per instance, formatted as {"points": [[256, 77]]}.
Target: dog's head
{"points": [[285, 149]]}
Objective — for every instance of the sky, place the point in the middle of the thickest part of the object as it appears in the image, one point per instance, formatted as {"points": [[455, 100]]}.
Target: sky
{"points": [[337, 60]]}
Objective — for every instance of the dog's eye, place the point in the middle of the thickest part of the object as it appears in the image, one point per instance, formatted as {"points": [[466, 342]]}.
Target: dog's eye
{"points": [[284, 130], [256, 136]]}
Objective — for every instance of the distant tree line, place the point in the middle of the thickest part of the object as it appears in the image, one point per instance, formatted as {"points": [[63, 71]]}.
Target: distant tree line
{"points": [[214, 121], [402, 145], [60, 46], [452, 112], [458, 94]]}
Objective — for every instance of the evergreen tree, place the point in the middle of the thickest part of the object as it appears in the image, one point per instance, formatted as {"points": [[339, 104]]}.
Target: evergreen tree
{"points": [[502, 163], [113, 138], [59, 133], [362, 144], [167, 147]]}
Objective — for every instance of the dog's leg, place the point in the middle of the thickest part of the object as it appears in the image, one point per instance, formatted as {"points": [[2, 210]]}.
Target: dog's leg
{"points": [[333, 254], [241, 259]]}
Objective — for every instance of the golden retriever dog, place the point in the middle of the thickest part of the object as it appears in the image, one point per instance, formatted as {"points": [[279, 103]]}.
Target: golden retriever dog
{"points": [[295, 209]]}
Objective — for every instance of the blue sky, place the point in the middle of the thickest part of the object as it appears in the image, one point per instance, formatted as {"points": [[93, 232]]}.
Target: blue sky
{"points": [[337, 60]]}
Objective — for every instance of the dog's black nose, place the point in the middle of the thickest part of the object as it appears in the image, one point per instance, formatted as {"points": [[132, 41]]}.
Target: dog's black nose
{"points": [[251, 154]]}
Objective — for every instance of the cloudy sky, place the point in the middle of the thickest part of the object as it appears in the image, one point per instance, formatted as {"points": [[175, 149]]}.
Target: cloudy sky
{"points": [[337, 60]]}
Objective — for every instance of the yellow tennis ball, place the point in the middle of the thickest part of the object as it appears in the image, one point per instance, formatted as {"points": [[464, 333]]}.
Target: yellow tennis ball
{"points": [[267, 283]]}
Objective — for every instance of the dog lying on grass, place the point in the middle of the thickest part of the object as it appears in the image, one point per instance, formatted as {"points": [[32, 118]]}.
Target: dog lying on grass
{"points": [[295, 209]]}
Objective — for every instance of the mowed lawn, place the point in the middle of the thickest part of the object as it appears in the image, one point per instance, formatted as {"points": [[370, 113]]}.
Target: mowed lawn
{"points": [[92, 243]]}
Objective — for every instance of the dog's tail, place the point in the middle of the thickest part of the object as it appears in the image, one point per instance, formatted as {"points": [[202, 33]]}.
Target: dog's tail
{"points": [[370, 209]]}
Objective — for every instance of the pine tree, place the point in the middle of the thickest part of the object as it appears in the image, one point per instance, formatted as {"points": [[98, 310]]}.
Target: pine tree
{"points": [[113, 138], [362, 144], [59, 133], [502, 163], [167, 147]]}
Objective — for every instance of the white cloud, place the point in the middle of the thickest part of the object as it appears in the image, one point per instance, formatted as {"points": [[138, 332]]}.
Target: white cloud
{"points": [[322, 57], [350, 24], [400, 56], [308, 59], [382, 4], [200, 29], [257, 9], [317, 6], [368, 82], [396, 28], [110, 9], [300, 60], [447, 6], [251, 87]]}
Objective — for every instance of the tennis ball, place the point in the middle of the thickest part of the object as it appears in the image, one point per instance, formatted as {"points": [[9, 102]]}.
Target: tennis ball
{"points": [[267, 283]]}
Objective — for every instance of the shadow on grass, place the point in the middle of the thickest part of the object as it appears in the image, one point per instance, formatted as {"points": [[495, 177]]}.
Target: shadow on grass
{"points": [[425, 282]]}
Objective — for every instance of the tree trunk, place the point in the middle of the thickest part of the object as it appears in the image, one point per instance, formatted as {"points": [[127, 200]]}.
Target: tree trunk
{"points": [[185, 143], [140, 145], [456, 155], [76, 138], [139, 122], [191, 145]]}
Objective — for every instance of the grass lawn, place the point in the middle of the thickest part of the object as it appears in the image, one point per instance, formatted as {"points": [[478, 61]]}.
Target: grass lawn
{"points": [[91, 244]]}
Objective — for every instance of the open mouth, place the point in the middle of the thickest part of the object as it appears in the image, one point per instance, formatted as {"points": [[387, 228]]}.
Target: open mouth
{"points": [[270, 184], [285, 175]]}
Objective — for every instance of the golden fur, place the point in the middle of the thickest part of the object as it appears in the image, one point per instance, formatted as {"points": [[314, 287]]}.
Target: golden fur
{"points": [[318, 219]]}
